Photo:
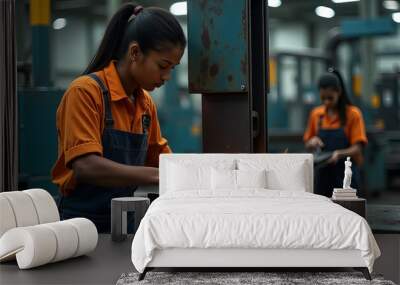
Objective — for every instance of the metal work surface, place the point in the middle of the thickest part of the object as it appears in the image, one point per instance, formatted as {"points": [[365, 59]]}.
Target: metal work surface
{"points": [[218, 60], [102, 266]]}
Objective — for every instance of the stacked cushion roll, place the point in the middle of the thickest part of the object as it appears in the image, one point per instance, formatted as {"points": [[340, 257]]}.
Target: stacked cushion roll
{"points": [[31, 230], [26, 208]]}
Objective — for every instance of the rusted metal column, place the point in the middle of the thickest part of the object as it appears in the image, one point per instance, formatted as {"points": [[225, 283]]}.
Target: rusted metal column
{"points": [[228, 51]]}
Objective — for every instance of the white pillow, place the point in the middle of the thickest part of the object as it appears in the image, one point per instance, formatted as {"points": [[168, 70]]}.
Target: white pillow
{"points": [[183, 178], [296, 181], [223, 179], [282, 174], [251, 178], [193, 174], [236, 179]]}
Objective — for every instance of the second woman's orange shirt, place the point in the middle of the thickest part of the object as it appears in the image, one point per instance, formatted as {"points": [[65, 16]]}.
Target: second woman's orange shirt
{"points": [[354, 128]]}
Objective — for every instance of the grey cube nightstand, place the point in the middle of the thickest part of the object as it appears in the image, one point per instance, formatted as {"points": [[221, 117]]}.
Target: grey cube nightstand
{"points": [[119, 209], [357, 205]]}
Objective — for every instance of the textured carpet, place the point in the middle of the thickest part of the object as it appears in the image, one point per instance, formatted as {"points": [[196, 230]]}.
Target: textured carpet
{"points": [[242, 278]]}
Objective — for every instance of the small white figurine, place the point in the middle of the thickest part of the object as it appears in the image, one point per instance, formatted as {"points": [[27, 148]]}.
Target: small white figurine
{"points": [[347, 174]]}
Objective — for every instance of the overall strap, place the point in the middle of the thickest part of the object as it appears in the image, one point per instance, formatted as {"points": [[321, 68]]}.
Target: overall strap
{"points": [[109, 122], [320, 118]]}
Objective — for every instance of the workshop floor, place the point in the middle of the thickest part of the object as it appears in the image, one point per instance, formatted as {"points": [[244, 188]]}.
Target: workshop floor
{"points": [[383, 212]]}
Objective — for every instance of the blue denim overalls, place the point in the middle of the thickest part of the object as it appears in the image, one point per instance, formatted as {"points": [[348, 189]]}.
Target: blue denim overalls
{"points": [[94, 202], [331, 176]]}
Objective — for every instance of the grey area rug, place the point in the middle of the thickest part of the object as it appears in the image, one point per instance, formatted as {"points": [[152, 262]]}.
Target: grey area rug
{"points": [[232, 278]]}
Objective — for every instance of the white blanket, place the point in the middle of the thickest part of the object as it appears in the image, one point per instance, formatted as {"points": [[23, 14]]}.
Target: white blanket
{"points": [[250, 219]]}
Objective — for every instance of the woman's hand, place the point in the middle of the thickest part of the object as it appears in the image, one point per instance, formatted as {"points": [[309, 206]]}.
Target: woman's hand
{"points": [[314, 143], [152, 172], [336, 155], [351, 151]]}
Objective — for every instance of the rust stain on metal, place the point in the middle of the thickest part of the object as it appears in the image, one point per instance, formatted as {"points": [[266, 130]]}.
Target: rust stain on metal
{"points": [[204, 66], [214, 70], [205, 37]]}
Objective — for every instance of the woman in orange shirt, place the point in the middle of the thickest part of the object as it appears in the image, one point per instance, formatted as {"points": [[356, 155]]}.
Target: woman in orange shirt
{"points": [[337, 127], [109, 138]]}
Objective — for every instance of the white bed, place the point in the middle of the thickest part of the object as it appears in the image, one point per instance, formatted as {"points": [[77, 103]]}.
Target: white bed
{"points": [[247, 210]]}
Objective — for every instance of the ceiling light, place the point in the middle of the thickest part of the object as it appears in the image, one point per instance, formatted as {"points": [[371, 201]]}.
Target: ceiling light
{"points": [[274, 3], [179, 8], [59, 23], [324, 12], [344, 1], [396, 17], [391, 5]]}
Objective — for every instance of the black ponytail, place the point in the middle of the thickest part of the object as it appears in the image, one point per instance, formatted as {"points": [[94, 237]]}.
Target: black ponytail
{"points": [[334, 80], [152, 28]]}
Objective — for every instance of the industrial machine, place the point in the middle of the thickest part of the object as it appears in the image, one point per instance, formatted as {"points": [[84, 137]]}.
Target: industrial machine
{"points": [[37, 136], [179, 117], [294, 94], [388, 118], [37, 105]]}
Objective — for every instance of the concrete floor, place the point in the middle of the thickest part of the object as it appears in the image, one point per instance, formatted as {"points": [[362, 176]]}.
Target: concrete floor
{"points": [[388, 264], [383, 212]]}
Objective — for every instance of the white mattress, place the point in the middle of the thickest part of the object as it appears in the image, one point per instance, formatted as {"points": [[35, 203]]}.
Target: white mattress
{"points": [[251, 219]]}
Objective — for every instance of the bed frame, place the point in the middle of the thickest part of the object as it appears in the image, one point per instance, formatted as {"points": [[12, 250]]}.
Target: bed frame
{"points": [[246, 258], [242, 259]]}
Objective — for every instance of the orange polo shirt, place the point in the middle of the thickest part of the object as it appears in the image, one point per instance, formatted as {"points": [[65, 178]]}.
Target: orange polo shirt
{"points": [[354, 128], [80, 122]]}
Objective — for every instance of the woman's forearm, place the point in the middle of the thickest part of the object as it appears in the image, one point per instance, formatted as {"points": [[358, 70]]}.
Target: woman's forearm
{"points": [[97, 170], [350, 151]]}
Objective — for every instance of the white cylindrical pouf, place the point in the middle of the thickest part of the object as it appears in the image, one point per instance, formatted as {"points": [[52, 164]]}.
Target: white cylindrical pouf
{"points": [[87, 235], [23, 207], [45, 205], [67, 239], [7, 218], [34, 246]]}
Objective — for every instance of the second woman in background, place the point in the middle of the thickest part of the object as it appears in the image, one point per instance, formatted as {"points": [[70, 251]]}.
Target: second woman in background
{"points": [[338, 127]]}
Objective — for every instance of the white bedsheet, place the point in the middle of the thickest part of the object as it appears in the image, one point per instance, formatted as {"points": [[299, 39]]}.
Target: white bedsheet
{"points": [[250, 218]]}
